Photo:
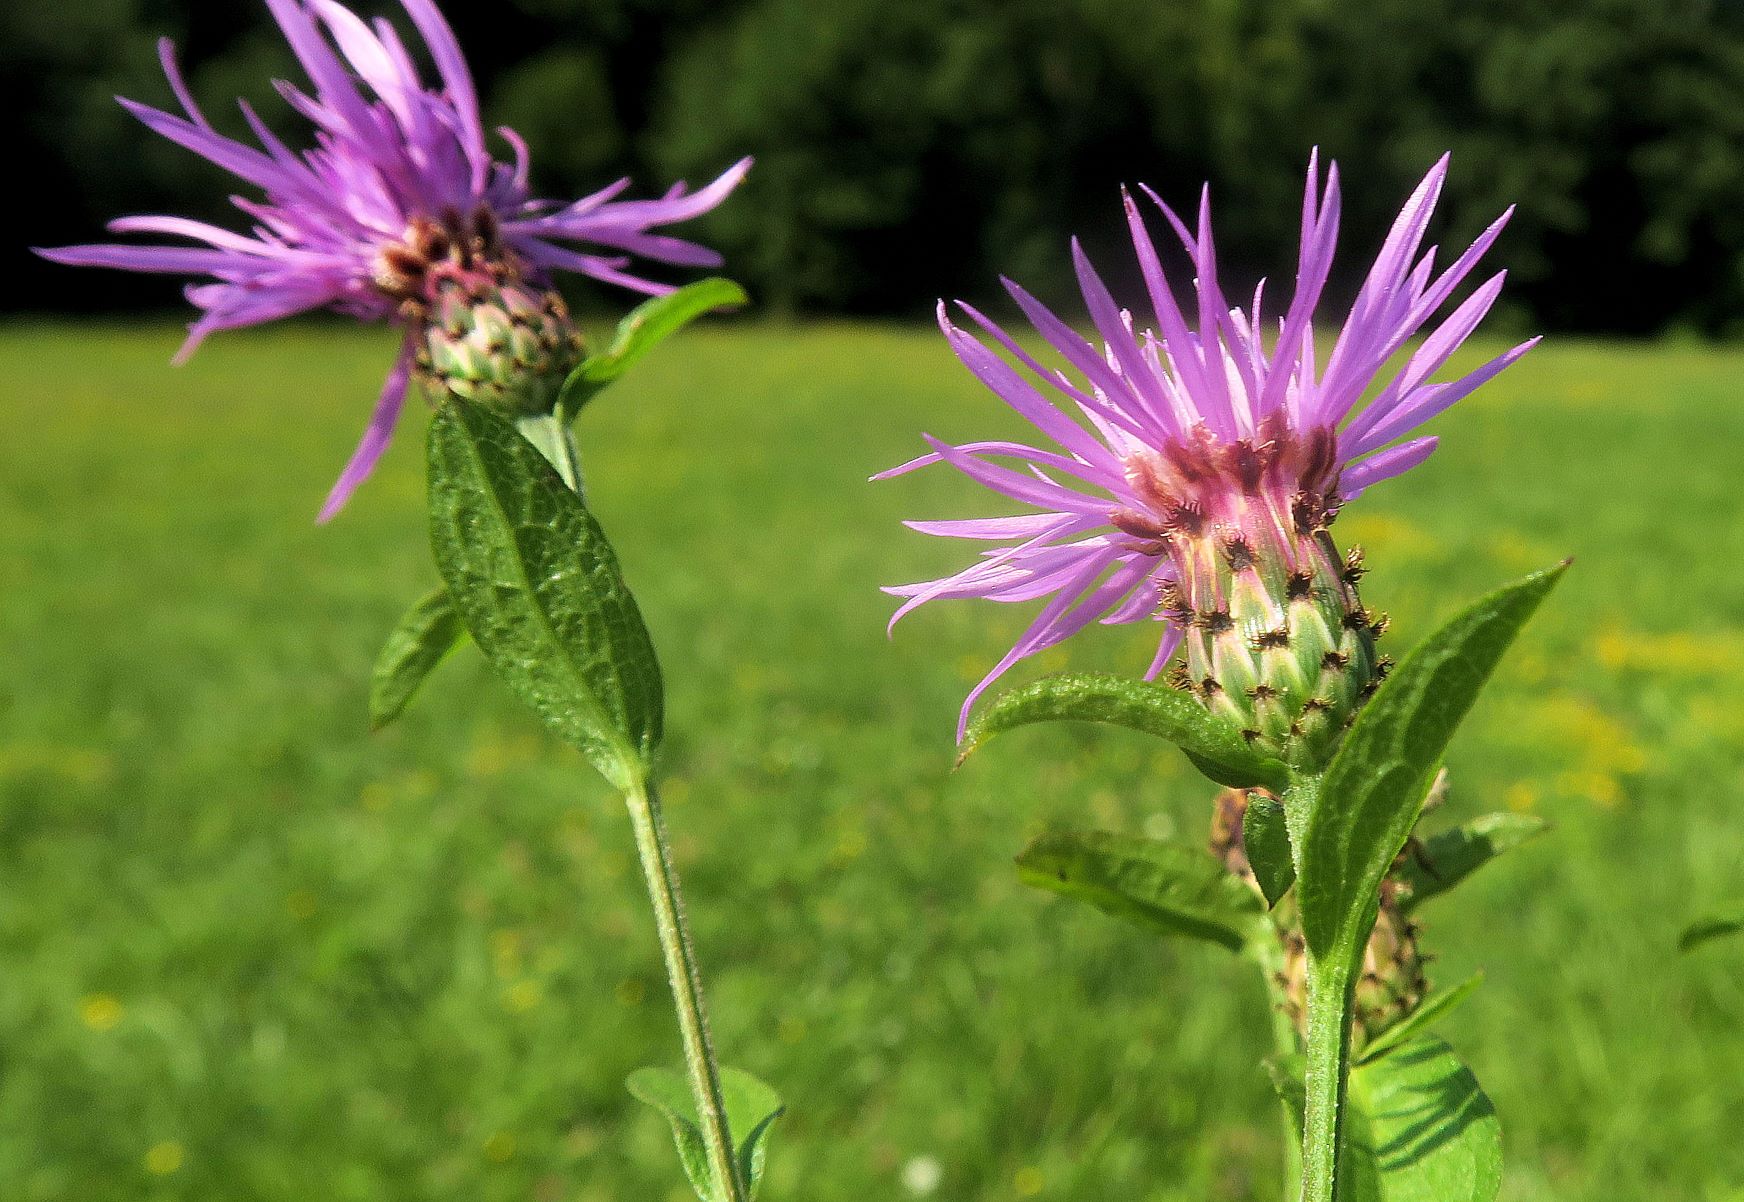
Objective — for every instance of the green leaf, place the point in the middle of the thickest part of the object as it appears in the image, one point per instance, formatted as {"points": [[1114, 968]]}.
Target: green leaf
{"points": [[1728, 922], [1266, 840], [538, 585], [1433, 1010], [1214, 745], [424, 637], [1286, 1076], [752, 1108], [1373, 790], [647, 325], [1420, 1130], [1170, 887], [1445, 859]]}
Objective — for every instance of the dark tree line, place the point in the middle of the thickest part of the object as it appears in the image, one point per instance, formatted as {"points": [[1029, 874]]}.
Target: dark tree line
{"points": [[908, 148]]}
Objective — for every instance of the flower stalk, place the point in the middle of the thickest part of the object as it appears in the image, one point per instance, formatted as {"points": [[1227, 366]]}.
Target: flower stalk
{"points": [[655, 850], [1330, 995]]}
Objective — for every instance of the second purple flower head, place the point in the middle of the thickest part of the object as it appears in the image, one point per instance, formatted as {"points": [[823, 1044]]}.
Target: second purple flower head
{"points": [[400, 213]]}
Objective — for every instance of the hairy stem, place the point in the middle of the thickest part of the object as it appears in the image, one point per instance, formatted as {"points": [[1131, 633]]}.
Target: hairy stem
{"points": [[1330, 987], [1268, 954], [681, 971]]}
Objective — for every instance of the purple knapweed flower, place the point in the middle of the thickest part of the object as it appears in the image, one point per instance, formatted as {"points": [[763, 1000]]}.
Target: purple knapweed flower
{"points": [[1194, 471], [399, 213]]}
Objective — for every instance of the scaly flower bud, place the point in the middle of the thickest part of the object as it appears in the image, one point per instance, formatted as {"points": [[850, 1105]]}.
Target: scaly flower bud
{"points": [[1277, 640], [484, 332]]}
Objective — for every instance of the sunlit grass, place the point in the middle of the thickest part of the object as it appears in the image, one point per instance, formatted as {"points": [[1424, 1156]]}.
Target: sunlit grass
{"points": [[252, 952]]}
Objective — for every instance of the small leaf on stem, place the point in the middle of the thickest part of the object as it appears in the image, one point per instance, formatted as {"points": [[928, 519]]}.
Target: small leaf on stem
{"points": [[752, 1108], [1728, 922], [1434, 1008], [424, 637], [1444, 860], [647, 325], [1421, 1130], [1215, 746], [1170, 887], [538, 585], [1266, 840]]}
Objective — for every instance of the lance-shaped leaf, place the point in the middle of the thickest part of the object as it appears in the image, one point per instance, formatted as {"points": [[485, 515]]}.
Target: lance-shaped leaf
{"points": [[1418, 1125], [1169, 887], [1373, 790], [646, 326], [1434, 1008], [1266, 841], [1214, 745], [535, 580], [752, 1108], [424, 637], [1727, 922], [1444, 860], [1421, 1130]]}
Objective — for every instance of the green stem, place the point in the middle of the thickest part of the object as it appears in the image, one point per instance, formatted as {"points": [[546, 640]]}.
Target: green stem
{"points": [[681, 971], [552, 434], [1268, 953], [1330, 987]]}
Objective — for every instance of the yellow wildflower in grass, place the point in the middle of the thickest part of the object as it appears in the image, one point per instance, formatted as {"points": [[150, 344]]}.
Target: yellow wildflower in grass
{"points": [[523, 996], [101, 1011], [162, 1159]]}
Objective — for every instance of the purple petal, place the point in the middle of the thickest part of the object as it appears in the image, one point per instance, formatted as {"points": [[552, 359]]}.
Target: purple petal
{"points": [[1435, 351], [1139, 376], [1022, 396], [1016, 485], [375, 437], [1081, 355], [1438, 397], [1171, 641], [1384, 465], [1053, 625], [1023, 525], [1168, 313]]}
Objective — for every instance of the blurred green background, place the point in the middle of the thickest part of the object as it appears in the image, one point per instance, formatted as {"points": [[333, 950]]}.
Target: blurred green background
{"points": [[912, 148], [249, 951], [252, 952]]}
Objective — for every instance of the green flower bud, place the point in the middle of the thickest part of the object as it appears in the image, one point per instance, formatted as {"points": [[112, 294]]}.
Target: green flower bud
{"points": [[1277, 640], [493, 339]]}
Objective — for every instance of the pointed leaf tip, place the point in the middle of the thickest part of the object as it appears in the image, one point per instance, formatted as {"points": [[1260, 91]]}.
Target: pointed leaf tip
{"points": [[1170, 887], [421, 641], [1215, 746], [647, 326], [1373, 791]]}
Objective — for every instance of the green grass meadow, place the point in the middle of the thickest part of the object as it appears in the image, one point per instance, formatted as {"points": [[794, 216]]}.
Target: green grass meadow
{"points": [[250, 951]]}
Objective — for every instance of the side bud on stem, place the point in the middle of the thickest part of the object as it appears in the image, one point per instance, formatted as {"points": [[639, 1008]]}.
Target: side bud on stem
{"points": [[1392, 984], [487, 330]]}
